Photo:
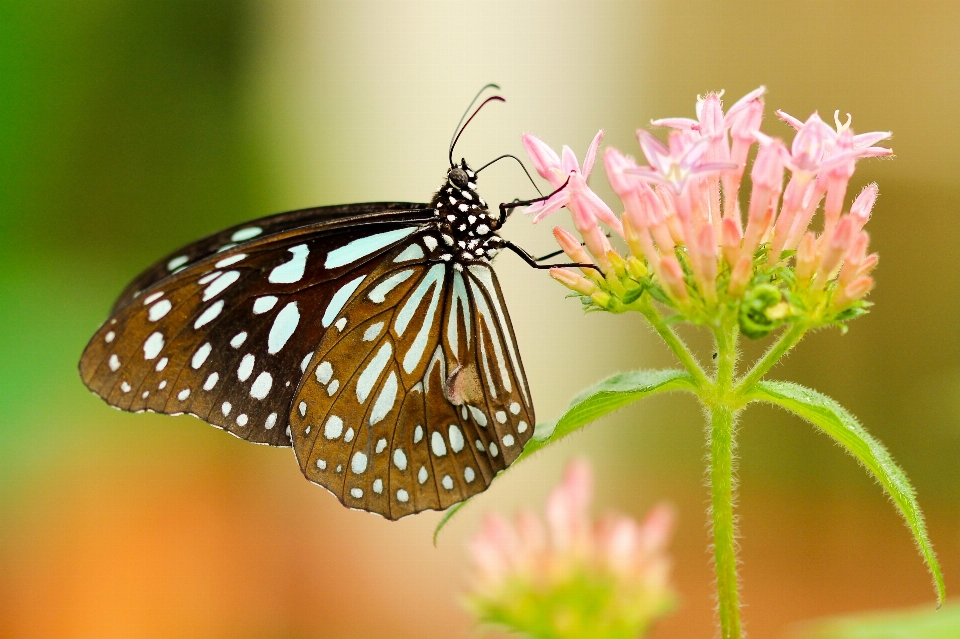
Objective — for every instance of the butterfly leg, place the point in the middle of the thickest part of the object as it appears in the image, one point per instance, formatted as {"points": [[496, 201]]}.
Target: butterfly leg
{"points": [[507, 208], [532, 261]]}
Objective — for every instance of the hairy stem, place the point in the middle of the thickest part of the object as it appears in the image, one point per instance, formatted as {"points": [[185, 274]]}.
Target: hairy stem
{"points": [[724, 532], [787, 341], [673, 341]]}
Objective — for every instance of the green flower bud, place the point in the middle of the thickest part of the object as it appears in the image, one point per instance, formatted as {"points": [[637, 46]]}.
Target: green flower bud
{"points": [[762, 310]]}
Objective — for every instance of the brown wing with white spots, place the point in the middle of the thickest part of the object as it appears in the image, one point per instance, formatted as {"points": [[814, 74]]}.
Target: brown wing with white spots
{"points": [[228, 339], [256, 230], [422, 400]]}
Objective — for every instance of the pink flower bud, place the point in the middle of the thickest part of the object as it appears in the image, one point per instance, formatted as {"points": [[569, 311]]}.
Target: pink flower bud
{"points": [[854, 291], [835, 250], [740, 276], [574, 281], [862, 206], [730, 238], [809, 146], [706, 259], [854, 258], [638, 239], [614, 163], [767, 171], [869, 263], [806, 257], [672, 278]]}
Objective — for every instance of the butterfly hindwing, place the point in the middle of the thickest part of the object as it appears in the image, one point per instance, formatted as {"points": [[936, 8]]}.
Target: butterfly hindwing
{"points": [[228, 338], [422, 399]]}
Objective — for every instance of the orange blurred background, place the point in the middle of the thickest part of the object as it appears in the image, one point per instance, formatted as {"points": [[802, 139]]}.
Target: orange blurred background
{"points": [[128, 128]]}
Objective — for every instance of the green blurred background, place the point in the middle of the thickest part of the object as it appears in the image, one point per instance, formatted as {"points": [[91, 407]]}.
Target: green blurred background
{"points": [[128, 128]]}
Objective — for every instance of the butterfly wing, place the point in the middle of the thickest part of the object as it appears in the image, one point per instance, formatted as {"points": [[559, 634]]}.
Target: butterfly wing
{"points": [[227, 339], [224, 240], [422, 399]]}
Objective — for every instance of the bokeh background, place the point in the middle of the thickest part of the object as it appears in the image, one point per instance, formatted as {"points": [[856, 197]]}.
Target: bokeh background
{"points": [[130, 127]]}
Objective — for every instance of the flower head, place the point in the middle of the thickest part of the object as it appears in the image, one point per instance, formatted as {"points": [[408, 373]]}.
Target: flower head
{"points": [[693, 248], [572, 576]]}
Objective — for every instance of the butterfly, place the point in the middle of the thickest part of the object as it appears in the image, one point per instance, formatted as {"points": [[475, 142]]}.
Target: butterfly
{"points": [[372, 338]]}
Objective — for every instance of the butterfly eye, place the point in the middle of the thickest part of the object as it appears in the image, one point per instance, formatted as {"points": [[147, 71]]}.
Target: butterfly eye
{"points": [[459, 177]]}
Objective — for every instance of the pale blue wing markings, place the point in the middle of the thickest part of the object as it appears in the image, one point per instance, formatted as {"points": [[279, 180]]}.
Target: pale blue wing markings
{"points": [[364, 246], [485, 275], [433, 276], [415, 353], [339, 300]]}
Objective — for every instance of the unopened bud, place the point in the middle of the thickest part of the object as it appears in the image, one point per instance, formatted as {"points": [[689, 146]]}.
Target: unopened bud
{"points": [[806, 257], [636, 268], [602, 299], [740, 277], [730, 241], [618, 263], [573, 281], [672, 276]]}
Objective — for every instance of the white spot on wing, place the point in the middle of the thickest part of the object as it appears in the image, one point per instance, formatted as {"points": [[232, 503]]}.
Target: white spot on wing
{"points": [[238, 339], [356, 493], [306, 362], [291, 271], [162, 364], [201, 356], [422, 475], [211, 381], [209, 277], [372, 372], [437, 444], [245, 234], [381, 445], [153, 345], [469, 475], [339, 300], [158, 310], [261, 385], [508, 440], [378, 486], [264, 304], [514, 408], [324, 373], [177, 262], [364, 246], [114, 362], [478, 416], [359, 463], [209, 315], [151, 297], [333, 428], [220, 284], [226, 408], [341, 323], [230, 261], [182, 395], [379, 293], [246, 367], [417, 434], [400, 459], [241, 419], [412, 252], [522, 427], [109, 337], [271, 421], [430, 242], [456, 438], [283, 327], [447, 482], [402, 496], [372, 332], [385, 401]]}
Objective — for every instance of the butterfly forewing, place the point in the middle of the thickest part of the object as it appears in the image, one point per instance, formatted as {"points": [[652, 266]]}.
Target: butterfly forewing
{"points": [[229, 338], [418, 403], [327, 216]]}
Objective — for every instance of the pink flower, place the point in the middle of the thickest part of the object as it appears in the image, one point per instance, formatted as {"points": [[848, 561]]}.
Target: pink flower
{"points": [[583, 203], [617, 568], [675, 165]]}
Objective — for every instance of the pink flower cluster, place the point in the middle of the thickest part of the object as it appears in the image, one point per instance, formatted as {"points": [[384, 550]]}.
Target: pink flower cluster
{"points": [[527, 555], [688, 196]]}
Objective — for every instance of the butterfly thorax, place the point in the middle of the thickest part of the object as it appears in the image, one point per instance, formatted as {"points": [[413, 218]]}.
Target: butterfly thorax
{"points": [[468, 228]]}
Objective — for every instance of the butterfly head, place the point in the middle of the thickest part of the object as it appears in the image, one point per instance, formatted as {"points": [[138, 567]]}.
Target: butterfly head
{"points": [[462, 177]]}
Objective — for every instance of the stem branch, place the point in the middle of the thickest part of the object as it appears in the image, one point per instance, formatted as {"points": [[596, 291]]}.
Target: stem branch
{"points": [[673, 341], [787, 341]]}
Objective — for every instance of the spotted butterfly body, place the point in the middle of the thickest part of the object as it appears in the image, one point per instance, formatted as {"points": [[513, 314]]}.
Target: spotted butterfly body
{"points": [[372, 337]]}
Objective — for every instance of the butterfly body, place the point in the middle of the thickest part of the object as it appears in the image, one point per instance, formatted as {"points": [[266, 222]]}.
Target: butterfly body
{"points": [[372, 337]]}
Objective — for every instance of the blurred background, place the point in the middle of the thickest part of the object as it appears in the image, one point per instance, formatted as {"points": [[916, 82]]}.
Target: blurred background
{"points": [[131, 127]]}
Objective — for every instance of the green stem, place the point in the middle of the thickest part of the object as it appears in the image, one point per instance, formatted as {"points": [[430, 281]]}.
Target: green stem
{"points": [[787, 341], [724, 532], [673, 341]]}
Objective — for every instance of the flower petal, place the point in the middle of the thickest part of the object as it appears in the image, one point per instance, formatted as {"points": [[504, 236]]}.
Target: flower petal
{"points": [[568, 161], [544, 158], [591, 154]]}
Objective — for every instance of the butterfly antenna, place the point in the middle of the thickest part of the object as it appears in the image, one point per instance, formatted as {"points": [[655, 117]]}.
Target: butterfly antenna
{"points": [[472, 102], [464, 127], [507, 155]]}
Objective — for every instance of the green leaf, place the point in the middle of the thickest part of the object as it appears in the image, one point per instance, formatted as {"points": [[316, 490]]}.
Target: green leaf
{"points": [[591, 404], [603, 398], [831, 418], [889, 624]]}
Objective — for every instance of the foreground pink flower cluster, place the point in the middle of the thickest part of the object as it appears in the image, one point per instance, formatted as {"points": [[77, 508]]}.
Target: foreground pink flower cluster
{"points": [[682, 219], [610, 574]]}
